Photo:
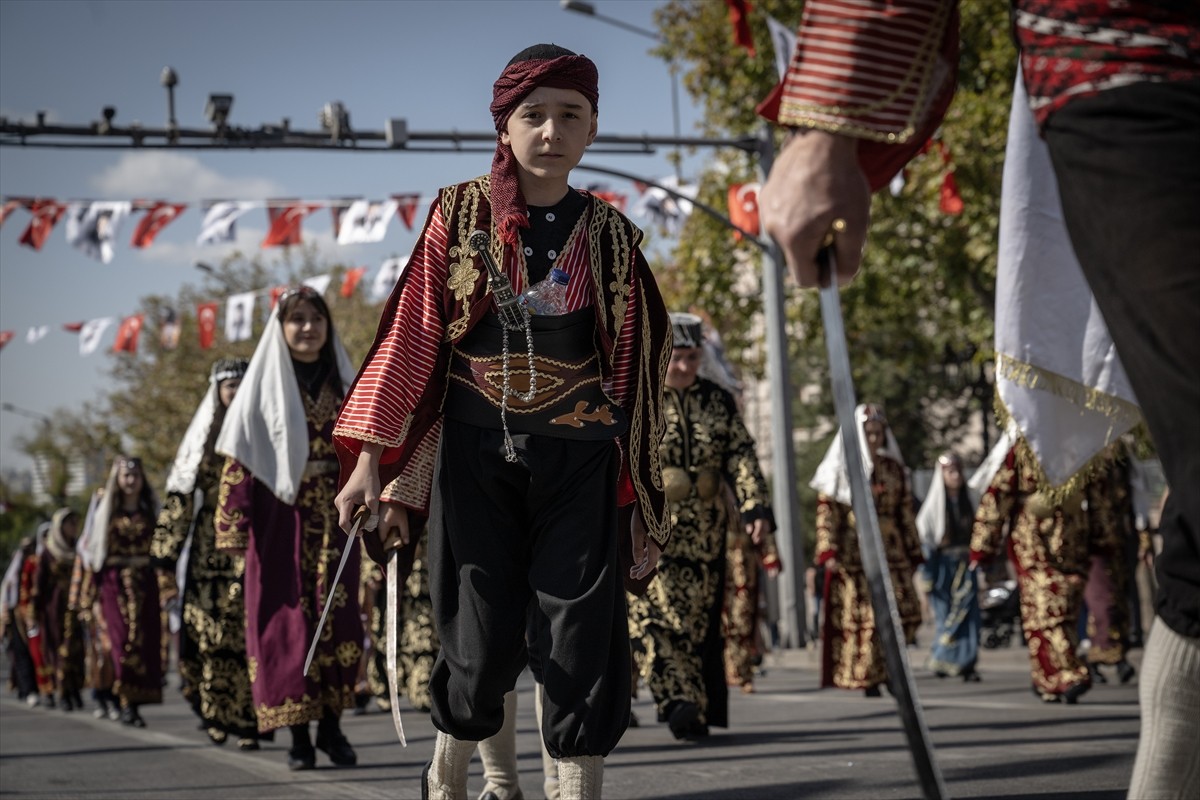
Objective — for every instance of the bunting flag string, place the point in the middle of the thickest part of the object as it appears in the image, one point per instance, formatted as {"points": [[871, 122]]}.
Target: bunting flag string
{"points": [[238, 314]]}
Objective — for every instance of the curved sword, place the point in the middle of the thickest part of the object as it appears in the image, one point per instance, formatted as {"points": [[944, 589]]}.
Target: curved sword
{"points": [[874, 558], [390, 621], [360, 514]]}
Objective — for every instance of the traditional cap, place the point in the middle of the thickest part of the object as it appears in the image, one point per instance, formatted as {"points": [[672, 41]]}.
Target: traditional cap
{"points": [[224, 369], [687, 329], [540, 65]]}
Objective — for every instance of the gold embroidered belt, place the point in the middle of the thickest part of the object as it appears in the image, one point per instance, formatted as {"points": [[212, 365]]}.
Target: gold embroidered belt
{"points": [[568, 402], [678, 484]]}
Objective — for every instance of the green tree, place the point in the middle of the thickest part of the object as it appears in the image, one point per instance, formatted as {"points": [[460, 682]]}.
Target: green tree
{"points": [[919, 317]]}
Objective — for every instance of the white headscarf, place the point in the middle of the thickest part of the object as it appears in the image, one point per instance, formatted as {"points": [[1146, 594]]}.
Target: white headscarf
{"points": [[265, 427], [931, 518], [832, 479], [10, 589], [185, 470], [1058, 373], [93, 544], [981, 479]]}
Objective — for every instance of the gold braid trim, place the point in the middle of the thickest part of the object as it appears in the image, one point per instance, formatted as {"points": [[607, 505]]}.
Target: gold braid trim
{"points": [[1033, 377], [1028, 462], [921, 71]]}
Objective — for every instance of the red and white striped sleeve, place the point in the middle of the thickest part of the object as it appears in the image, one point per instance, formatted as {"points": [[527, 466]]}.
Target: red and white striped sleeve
{"points": [[878, 70], [380, 407]]}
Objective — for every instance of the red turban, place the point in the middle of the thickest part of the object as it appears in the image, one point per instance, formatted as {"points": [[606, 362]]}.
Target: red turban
{"points": [[509, 211]]}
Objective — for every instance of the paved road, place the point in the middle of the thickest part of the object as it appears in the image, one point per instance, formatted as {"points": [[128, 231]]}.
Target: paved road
{"points": [[789, 740]]}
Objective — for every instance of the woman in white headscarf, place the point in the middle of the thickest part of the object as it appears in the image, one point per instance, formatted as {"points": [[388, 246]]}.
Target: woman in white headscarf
{"points": [[276, 506], [56, 562], [117, 551], [212, 640], [944, 523], [851, 654]]}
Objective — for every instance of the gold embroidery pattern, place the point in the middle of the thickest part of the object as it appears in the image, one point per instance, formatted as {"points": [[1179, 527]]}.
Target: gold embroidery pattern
{"points": [[231, 522]]}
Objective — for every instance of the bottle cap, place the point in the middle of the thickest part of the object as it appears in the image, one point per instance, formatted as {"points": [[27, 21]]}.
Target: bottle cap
{"points": [[559, 276]]}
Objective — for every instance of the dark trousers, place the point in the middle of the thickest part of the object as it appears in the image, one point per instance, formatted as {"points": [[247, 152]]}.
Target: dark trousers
{"points": [[1128, 167], [542, 530]]}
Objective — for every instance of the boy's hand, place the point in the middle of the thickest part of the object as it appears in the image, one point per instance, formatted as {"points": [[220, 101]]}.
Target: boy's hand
{"points": [[393, 526], [361, 489]]}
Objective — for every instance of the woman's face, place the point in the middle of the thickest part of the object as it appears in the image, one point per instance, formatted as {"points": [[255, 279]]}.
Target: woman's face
{"points": [[684, 366], [305, 329], [129, 479], [226, 390], [876, 437], [70, 527], [952, 475]]}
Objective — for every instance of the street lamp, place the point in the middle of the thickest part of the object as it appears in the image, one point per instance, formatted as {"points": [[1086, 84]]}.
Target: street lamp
{"points": [[589, 10]]}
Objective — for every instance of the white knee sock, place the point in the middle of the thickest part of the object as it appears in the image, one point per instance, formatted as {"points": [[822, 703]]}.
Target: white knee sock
{"points": [[499, 755], [448, 770], [1168, 754], [581, 777]]}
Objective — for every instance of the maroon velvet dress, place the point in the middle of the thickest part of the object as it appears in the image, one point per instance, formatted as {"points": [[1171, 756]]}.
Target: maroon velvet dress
{"points": [[128, 593], [291, 555]]}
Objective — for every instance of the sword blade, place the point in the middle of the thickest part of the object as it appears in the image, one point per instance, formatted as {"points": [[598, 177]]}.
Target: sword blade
{"points": [[390, 627], [874, 557], [359, 515]]}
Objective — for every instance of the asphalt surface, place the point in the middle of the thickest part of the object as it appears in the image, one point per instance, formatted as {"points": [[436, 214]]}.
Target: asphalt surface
{"points": [[992, 739]]}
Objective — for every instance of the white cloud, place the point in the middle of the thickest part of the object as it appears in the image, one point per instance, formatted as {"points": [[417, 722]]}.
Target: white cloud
{"points": [[177, 177]]}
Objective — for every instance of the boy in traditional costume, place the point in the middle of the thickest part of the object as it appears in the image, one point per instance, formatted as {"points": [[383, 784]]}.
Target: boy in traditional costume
{"points": [[521, 438]]}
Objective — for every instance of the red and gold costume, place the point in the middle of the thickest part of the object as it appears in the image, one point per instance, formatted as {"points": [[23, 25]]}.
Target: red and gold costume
{"points": [[851, 654], [1048, 545]]}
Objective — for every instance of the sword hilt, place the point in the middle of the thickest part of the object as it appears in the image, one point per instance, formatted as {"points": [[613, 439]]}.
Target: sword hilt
{"points": [[825, 254], [510, 311]]}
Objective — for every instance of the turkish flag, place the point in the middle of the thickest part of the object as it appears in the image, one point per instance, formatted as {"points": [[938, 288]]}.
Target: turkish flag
{"points": [[951, 201], [73, 327], [743, 208], [46, 214], [128, 334], [285, 224], [739, 13], [206, 321], [406, 208], [6, 337], [157, 217], [350, 282]]}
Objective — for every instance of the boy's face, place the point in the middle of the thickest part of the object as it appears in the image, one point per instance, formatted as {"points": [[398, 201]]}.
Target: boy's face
{"points": [[549, 130]]}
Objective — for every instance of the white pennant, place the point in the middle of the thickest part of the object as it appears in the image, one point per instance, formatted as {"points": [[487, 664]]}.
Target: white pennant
{"points": [[92, 227], [318, 283], [239, 317], [784, 39], [385, 280], [36, 333], [218, 225], [90, 333], [366, 221]]}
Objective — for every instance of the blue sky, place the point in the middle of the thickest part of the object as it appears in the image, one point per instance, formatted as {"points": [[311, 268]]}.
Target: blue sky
{"points": [[430, 62]]}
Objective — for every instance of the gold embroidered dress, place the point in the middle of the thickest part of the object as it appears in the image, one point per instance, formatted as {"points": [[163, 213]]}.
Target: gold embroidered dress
{"points": [[212, 640], [676, 626], [851, 654], [292, 553]]}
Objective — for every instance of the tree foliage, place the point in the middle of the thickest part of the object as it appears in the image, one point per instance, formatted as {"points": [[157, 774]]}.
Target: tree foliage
{"points": [[919, 316]]}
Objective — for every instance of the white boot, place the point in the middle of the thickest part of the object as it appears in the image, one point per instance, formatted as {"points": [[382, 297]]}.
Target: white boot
{"points": [[580, 778], [447, 772], [499, 756], [549, 765]]}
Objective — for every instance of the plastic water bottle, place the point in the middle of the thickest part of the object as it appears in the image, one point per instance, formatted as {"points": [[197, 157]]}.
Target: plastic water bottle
{"points": [[547, 297]]}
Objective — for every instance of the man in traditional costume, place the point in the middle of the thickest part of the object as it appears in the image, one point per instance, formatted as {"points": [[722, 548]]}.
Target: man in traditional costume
{"points": [[851, 653], [275, 506], [212, 641], [521, 438], [677, 624]]}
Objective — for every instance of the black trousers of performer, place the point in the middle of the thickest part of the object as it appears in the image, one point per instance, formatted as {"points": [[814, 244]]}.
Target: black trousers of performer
{"points": [[501, 535], [1128, 167]]}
